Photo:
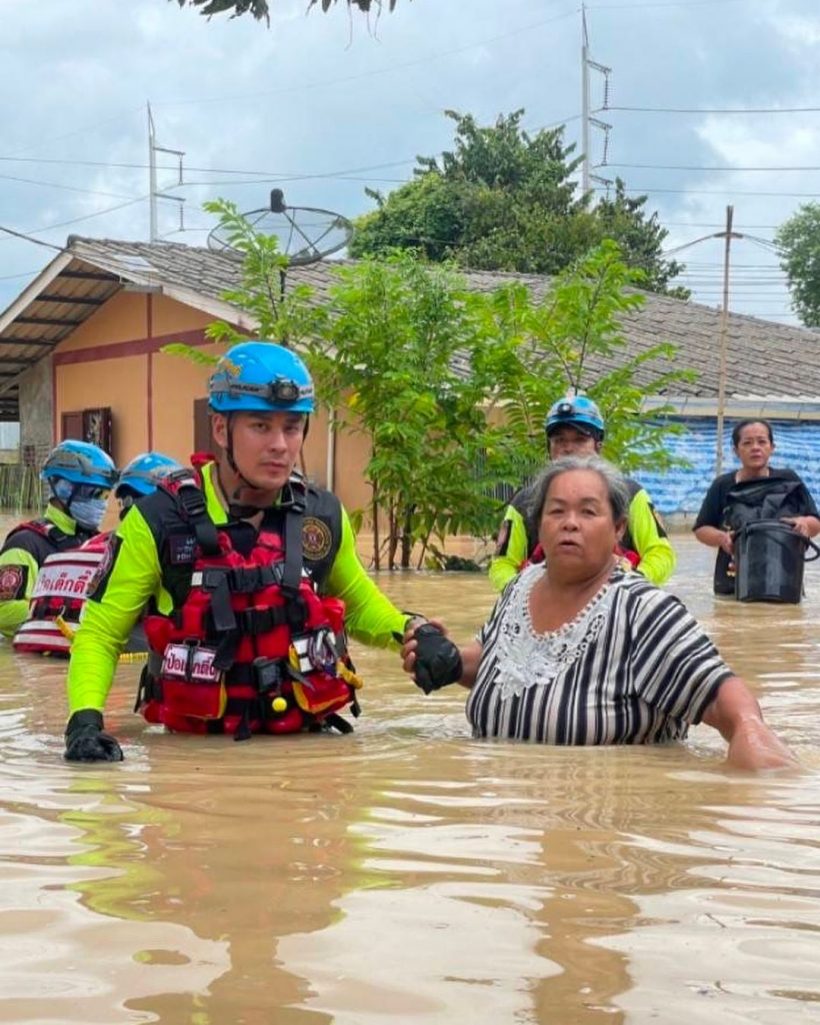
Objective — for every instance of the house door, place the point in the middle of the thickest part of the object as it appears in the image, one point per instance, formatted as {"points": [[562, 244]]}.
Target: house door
{"points": [[203, 442], [71, 426]]}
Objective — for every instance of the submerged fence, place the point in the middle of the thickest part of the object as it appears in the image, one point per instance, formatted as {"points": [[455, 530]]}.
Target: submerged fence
{"points": [[20, 487]]}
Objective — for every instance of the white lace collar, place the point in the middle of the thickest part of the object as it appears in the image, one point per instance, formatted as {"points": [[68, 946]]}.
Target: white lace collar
{"points": [[527, 658]]}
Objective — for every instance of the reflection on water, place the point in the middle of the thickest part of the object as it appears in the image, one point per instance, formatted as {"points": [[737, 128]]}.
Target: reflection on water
{"points": [[408, 873]]}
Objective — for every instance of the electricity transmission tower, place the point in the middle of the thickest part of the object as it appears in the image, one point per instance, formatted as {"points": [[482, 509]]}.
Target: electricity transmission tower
{"points": [[154, 193]]}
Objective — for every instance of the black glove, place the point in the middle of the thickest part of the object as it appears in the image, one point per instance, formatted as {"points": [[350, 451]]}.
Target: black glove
{"points": [[438, 661], [85, 740]]}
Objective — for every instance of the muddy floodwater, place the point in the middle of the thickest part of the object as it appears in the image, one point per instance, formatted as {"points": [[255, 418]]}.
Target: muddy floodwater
{"points": [[407, 873]]}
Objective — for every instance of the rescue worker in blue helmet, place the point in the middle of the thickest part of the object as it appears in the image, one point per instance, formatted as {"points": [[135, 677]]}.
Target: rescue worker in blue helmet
{"points": [[575, 427], [141, 476], [80, 476], [58, 598], [253, 578]]}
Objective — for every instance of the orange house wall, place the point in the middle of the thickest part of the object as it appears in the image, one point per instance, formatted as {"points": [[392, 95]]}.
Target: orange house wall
{"points": [[166, 385], [176, 384], [152, 387], [118, 383], [123, 318], [167, 316], [352, 456]]}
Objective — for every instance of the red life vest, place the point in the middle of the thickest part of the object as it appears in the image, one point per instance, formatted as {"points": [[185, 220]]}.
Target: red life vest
{"points": [[57, 601], [252, 648]]}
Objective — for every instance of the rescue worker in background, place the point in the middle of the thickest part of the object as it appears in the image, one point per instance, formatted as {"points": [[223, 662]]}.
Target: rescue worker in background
{"points": [[59, 594], [80, 476], [141, 476], [575, 427], [250, 571]]}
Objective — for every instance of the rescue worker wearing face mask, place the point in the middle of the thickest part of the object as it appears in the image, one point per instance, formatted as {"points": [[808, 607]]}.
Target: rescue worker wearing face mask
{"points": [[59, 594], [575, 427], [80, 476], [253, 577]]}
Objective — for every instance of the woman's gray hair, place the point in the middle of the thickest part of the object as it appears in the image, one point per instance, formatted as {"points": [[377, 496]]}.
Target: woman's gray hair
{"points": [[614, 481]]}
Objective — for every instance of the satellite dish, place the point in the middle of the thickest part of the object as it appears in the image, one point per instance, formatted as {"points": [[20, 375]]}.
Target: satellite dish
{"points": [[306, 233]]}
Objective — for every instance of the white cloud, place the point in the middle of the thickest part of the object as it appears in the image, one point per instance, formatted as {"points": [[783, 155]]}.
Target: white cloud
{"points": [[319, 93]]}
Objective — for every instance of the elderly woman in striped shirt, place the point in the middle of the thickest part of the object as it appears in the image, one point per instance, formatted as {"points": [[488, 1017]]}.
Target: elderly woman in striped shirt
{"points": [[578, 652]]}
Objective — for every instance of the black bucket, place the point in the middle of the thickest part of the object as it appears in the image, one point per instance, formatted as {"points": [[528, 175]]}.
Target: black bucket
{"points": [[769, 557]]}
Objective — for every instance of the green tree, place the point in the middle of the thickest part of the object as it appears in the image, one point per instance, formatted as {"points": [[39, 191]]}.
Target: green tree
{"points": [[406, 354], [641, 237], [573, 339], [799, 242], [260, 9], [449, 385], [502, 199]]}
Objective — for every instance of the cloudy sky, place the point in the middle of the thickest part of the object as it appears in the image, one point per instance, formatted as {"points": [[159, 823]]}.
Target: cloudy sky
{"points": [[327, 105]]}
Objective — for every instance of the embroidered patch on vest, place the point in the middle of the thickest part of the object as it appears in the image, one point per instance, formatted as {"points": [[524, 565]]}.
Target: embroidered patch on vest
{"points": [[316, 538], [182, 549], [12, 582]]}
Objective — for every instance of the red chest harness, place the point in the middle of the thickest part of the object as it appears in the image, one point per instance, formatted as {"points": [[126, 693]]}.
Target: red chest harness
{"points": [[252, 648], [58, 598], [537, 555]]}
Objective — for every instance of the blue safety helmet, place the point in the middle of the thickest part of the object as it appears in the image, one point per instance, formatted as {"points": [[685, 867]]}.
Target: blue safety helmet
{"points": [[144, 472], [260, 376], [80, 462], [579, 412]]}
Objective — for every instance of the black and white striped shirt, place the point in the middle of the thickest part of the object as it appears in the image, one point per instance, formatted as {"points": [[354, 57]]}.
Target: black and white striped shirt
{"points": [[633, 667]]}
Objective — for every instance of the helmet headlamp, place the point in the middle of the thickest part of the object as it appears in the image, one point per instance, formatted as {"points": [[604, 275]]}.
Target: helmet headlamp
{"points": [[284, 390]]}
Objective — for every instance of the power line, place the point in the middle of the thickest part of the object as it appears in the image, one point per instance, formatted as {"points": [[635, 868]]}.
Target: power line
{"points": [[295, 178], [29, 238], [717, 110], [660, 3], [698, 167], [717, 192], [64, 224], [278, 175], [79, 131], [716, 224], [751, 269], [64, 188], [25, 274], [322, 84]]}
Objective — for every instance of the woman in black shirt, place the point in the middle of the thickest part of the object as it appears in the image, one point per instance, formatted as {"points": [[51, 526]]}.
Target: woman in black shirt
{"points": [[753, 443]]}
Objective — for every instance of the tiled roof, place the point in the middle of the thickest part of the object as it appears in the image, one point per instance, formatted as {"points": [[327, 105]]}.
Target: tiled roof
{"points": [[764, 358]]}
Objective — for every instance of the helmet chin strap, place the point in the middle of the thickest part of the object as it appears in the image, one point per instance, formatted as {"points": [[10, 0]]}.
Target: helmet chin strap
{"points": [[237, 509]]}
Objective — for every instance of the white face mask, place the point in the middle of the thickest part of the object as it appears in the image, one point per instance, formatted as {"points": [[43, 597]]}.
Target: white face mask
{"points": [[88, 512]]}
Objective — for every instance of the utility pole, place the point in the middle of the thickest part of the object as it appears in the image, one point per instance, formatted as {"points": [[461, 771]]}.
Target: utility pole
{"points": [[152, 178], [728, 235], [585, 113], [587, 119], [154, 193]]}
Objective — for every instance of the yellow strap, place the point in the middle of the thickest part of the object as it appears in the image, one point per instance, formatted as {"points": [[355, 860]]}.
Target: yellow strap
{"points": [[127, 657], [67, 631], [349, 676], [131, 657]]}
